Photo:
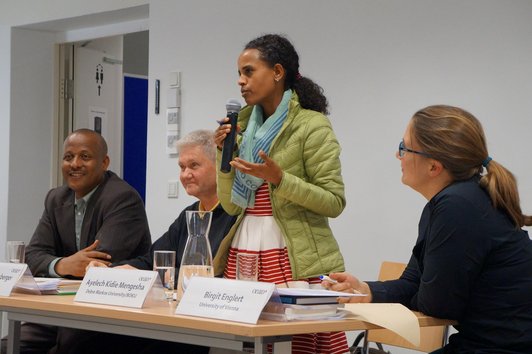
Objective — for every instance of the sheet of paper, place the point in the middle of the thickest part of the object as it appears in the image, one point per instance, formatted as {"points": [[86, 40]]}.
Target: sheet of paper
{"points": [[395, 317], [47, 283], [57, 285], [57, 281]]}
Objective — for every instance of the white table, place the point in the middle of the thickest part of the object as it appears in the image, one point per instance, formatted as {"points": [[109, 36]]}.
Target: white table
{"points": [[157, 320]]}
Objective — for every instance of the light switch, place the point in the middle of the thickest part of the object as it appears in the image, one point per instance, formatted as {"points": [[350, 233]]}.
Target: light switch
{"points": [[173, 99], [173, 188], [174, 79]]}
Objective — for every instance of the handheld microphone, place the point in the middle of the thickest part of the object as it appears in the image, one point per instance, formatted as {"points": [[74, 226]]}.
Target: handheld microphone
{"points": [[233, 107]]}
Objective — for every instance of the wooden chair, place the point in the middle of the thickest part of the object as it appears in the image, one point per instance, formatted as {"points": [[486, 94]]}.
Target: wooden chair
{"points": [[432, 338]]}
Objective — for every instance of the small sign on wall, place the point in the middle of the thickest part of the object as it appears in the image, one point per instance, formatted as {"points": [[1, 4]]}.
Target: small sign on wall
{"points": [[98, 119], [172, 119], [172, 130], [171, 141]]}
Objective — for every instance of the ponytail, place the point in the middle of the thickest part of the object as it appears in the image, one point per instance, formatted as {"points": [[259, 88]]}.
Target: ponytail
{"points": [[310, 95], [502, 189]]}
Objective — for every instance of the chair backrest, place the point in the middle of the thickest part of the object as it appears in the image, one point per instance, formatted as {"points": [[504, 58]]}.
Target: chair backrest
{"points": [[432, 338]]}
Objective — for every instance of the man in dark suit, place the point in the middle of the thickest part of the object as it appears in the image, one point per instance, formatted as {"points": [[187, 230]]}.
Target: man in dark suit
{"points": [[197, 164], [96, 216]]}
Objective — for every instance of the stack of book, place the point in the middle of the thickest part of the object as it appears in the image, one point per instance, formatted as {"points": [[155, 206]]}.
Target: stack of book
{"points": [[289, 304]]}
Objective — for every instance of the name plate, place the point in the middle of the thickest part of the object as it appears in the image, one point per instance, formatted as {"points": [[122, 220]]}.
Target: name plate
{"points": [[225, 299], [112, 286], [10, 273]]}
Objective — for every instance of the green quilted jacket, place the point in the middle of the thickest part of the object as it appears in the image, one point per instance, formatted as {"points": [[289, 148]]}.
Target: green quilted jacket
{"points": [[310, 191]]}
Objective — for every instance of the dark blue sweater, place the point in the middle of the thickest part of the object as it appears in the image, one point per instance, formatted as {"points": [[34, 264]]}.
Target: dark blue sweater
{"points": [[470, 264]]}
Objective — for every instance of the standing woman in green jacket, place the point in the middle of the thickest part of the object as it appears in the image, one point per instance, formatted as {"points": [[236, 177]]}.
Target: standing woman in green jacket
{"points": [[285, 181]]}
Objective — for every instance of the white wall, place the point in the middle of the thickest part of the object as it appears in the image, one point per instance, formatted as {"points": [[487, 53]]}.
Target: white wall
{"points": [[378, 61], [5, 81], [31, 131]]}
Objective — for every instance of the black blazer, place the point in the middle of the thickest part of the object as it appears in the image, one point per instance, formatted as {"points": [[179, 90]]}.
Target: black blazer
{"points": [[115, 215]]}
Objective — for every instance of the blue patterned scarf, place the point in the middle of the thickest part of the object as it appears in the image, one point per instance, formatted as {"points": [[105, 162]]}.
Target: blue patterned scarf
{"points": [[258, 136]]}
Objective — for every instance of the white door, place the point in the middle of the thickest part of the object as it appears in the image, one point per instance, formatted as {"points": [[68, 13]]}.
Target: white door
{"points": [[98, 96]]}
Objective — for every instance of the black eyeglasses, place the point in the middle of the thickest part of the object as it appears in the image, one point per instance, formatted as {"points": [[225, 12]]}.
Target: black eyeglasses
{"points": [[403, 148]]}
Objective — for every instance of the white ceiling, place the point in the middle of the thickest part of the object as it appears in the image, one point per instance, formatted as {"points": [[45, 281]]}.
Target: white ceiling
{"points": [[92, 20]]}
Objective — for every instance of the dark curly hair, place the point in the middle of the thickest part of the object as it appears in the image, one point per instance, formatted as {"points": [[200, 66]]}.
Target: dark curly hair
{"points": [[276, 49]]}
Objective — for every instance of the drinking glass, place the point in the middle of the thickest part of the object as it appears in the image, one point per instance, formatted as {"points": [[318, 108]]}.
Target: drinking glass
{"points": [[15, 251], [164, 265], [247, 266]]}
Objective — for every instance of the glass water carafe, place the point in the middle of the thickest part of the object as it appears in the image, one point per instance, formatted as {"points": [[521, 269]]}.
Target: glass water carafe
{"points": [[197, 257]]}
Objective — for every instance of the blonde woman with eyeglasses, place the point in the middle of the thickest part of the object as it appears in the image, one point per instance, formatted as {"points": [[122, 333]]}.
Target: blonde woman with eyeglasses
{"points": [[472, 261]]}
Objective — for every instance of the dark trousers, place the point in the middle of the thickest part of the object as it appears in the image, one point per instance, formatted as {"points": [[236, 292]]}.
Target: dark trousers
{"points": [[43, 339], [76, 341], [34, 339]]}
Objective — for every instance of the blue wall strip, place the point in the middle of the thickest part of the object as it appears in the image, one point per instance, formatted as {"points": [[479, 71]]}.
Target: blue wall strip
{"points": [[135, 132]]}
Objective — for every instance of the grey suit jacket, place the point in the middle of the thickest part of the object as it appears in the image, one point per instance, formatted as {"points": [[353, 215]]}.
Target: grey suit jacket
{"points": [[115, 215]]}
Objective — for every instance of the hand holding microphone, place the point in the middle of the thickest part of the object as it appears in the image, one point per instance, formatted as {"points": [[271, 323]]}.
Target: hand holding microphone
{"points": [[233, 107]]}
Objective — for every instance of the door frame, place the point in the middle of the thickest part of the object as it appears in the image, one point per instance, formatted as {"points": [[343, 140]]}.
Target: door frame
{"points": [[64, 49]]}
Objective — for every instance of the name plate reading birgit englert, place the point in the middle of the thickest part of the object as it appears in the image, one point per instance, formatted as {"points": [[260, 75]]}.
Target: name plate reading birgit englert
{"points": [[233, 300], [112, 286], [10, 273]]}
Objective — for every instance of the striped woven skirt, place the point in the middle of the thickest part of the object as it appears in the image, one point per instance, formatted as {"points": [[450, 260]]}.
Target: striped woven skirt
{"points": [[261, 235]]}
